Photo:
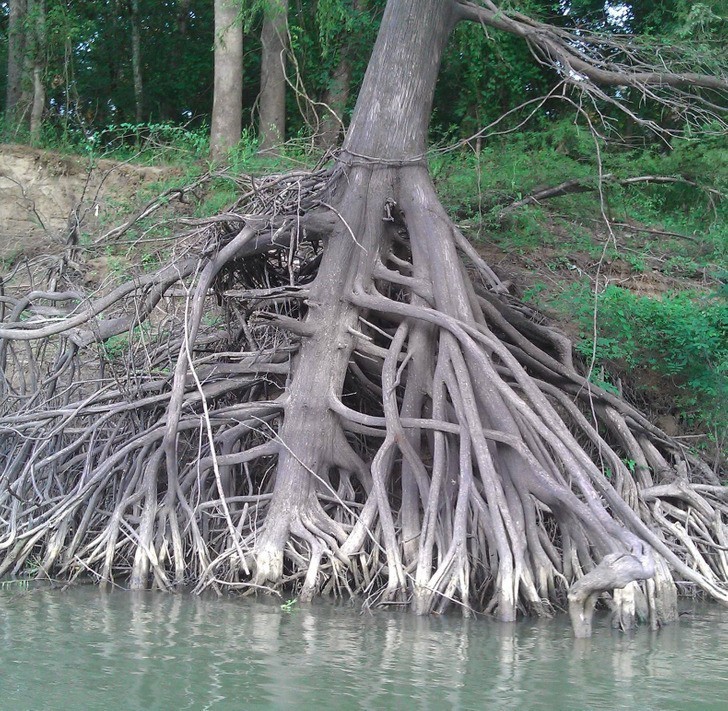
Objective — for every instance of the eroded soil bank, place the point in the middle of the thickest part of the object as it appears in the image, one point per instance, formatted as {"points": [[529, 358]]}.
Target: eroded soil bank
{"points": [[42, 193]]}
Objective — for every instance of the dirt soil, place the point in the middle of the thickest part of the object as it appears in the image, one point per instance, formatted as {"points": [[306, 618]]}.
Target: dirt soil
{"points": [[39, 190]]}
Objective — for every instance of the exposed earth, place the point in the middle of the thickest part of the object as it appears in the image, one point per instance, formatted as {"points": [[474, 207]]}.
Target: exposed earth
{"points": [[41, 192]]}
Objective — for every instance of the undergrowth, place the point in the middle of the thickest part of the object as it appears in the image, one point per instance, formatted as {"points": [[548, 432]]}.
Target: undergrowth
{"points": [[674, 348]]}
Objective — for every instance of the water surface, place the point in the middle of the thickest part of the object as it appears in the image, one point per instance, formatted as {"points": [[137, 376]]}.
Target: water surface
{"points": [[88, 650]]}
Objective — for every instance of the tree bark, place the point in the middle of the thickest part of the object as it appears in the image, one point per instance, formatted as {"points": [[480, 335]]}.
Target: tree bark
{"points": [[17, 48], [337, 94], [274, 41], [336, 97], [389, 127], [136, 62], [227, 104], [38, 17], [393, 109]]}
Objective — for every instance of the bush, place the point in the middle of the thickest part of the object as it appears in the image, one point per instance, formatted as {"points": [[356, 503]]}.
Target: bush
{"points": [[681, 337]]}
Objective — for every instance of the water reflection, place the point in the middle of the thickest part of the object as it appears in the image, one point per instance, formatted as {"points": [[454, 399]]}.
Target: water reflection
{"points": [[84, 649]]}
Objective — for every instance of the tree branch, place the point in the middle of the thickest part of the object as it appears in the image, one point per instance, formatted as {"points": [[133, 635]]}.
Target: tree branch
{"points": [[579, 185], [588, 60]]}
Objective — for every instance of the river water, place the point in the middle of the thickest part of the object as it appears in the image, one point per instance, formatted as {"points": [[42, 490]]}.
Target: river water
{"points": [[88, 650]]}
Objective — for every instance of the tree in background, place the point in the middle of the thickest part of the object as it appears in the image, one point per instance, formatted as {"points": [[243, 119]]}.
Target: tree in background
{"points": [[136, 60], [27, 62], [272, 98], [16, 56], [38, 62], [342, 28], [226, 125]]}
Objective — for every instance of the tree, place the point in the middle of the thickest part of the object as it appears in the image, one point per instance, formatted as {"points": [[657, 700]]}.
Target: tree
{"points": [[381, 419], [228, 92], [336, 96], [25, 94], [274, 43], [37, 15], [16, 54], [136, 61]]}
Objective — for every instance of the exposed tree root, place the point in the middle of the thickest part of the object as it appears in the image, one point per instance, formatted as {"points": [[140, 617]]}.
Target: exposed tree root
{"points": [[375, 418]]}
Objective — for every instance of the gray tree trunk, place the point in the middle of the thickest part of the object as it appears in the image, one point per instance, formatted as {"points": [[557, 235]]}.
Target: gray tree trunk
{"points": [[228, 91], [393, 109], [390, 124], [38, 9], [336, 97], [337, 94], [274, 40], [136, 62], [17, 48]]}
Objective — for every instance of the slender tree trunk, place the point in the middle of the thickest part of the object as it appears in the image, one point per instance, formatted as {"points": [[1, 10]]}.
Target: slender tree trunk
{"points": [[136, 62], [274, 40], [183, 16], [336, 97], [38, 64], [228, 91], [337, 94], [17, 48]]}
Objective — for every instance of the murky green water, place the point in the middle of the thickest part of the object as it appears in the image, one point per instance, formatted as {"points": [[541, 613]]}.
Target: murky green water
{"points": [[83, 649]]}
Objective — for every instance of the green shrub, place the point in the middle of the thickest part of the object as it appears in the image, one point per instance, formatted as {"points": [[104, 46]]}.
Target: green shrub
{"points": [[681, 337]]}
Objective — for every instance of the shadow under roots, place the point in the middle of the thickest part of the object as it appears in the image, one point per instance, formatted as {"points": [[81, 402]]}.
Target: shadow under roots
{"points": [[378, 418]]}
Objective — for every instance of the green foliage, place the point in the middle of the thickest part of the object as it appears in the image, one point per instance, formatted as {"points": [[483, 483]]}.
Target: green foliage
{"points": [[219, 196], [116, 346], [333, 17], [482, 78], [509, 167], [289, 606], [155, 142], [149, 143], [476, 187], [323, 33], [682, 338]]}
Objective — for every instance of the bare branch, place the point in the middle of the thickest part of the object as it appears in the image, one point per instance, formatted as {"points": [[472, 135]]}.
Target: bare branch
{"points": [[588, 61], [580, 185]]}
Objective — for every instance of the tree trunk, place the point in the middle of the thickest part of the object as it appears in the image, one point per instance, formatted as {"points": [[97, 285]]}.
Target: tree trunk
{"points": [[389, 126], [17, 48], [38, 17], [274, 41], [227, 104], [136, 62], [392, 112], [336, 97], [183, 17]]}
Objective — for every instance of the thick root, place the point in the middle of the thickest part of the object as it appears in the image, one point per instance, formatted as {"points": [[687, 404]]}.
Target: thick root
{"points": [[376, 419]]}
